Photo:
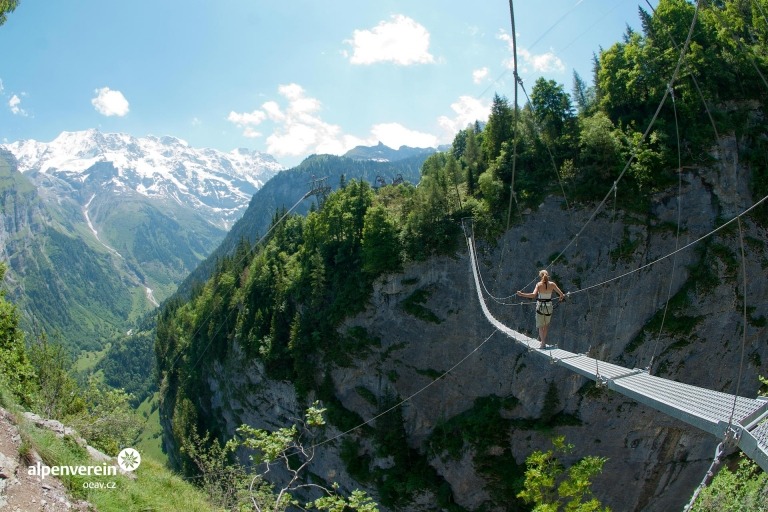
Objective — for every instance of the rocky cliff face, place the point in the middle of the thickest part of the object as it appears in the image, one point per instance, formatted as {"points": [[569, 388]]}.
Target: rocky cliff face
{"points": [[440, 364]]}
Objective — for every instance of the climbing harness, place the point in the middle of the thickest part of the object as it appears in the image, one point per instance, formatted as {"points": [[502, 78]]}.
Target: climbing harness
{"points": [[544, 307]]}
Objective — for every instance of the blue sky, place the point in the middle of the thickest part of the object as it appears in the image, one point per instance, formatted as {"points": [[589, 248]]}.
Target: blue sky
{"points": [[290, 77]]}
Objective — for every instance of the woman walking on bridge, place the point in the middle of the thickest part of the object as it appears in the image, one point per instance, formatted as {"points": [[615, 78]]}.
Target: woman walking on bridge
{"points": [[544, 308]]}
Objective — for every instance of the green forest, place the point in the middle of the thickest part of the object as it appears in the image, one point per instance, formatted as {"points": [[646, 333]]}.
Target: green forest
{"points": [[643, 115]]}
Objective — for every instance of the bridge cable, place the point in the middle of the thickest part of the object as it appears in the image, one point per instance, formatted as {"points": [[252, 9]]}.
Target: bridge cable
{"points": [[661, 258], [670, 91], [644, 136], [677, 233], [407, 399], [601, 302], [707, 476], [549, 151], [537, 127], [547, 31], [744, 329], [762, 12], [515, 127], [747, 51]]}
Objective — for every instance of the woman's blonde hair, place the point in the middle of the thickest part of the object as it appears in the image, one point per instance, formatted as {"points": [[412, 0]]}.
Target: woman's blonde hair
{"points": [[544, 275]]}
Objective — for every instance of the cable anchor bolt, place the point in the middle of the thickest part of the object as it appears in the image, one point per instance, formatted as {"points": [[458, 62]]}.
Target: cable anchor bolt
{"points": [[732, 436]]}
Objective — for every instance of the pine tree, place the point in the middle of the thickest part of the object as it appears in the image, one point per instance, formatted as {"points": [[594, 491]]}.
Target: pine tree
{"points": [[499, 128]]}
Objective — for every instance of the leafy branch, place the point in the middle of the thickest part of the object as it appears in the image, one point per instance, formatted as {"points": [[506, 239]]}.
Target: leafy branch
{"points": [[551, 488], [289, 449]]}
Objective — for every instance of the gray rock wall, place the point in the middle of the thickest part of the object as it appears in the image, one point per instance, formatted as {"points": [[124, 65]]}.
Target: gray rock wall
{"points": [[654, 462]]}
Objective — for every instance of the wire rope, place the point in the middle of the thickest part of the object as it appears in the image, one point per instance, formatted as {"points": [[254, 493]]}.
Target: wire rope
{"points": [[657, 260], [547, 31], [744, 320], [738, 40], [549, 151], [762, 12], [644, 136], [707, 476], [515, 127], [677, 234], [409, 398]]}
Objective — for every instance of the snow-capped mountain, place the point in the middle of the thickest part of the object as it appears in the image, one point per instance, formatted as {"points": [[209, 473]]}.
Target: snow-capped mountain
{"points": [[217, 185], [99, 228]]}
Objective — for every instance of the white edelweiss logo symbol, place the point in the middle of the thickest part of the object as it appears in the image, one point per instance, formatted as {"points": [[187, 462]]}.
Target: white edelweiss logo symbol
{"points": [[128, 459]]}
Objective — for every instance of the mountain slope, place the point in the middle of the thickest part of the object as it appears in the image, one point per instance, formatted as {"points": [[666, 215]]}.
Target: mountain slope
{"points": [[99, 228], [61, 283], [382, 153], [284, 190]]}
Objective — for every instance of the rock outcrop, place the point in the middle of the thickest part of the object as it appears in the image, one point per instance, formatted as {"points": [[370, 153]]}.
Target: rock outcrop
{"points": [[20, 491]]}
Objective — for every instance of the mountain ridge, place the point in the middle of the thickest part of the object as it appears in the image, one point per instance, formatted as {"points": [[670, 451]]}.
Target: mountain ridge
{"points": [[383, 153], [284, 190], [218, 184], [126, 218]]}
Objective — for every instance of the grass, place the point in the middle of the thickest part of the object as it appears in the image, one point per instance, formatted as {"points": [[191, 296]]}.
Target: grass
{"points": [[88, 359], [155, 488], [150, 443]]}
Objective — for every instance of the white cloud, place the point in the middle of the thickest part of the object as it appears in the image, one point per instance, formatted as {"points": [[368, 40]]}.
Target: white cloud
{"points": [[401, 41], [110, 103], [196, 121], [272, 109], [467, 110], [395, 135], [247, 118], [1, 86], [299, 130], [251, 133], [14, 103], [479, 75], [541, 63]]}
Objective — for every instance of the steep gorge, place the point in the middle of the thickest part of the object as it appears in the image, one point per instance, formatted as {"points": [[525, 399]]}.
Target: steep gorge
{"points": [[472, 428]]}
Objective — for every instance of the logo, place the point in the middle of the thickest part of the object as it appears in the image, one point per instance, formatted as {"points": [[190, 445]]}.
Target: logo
{"points": [[128, 459], [44, 471]]}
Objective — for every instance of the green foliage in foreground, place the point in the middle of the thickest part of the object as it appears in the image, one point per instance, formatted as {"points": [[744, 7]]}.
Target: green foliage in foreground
{"points": [[16, 372], [102, 415], [154, 488], [744, 489], [231, 485], [550, 487]]}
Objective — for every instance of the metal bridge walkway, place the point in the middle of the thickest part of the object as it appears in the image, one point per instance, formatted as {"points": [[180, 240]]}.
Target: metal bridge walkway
{"points": [[743, 422]]}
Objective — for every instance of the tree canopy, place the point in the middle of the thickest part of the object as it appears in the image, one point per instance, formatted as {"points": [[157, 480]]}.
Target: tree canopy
{"points": [[6, 7]]}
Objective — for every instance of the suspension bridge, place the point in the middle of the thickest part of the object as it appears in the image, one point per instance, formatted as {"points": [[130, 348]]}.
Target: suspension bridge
{"points": [[736, 420]]}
